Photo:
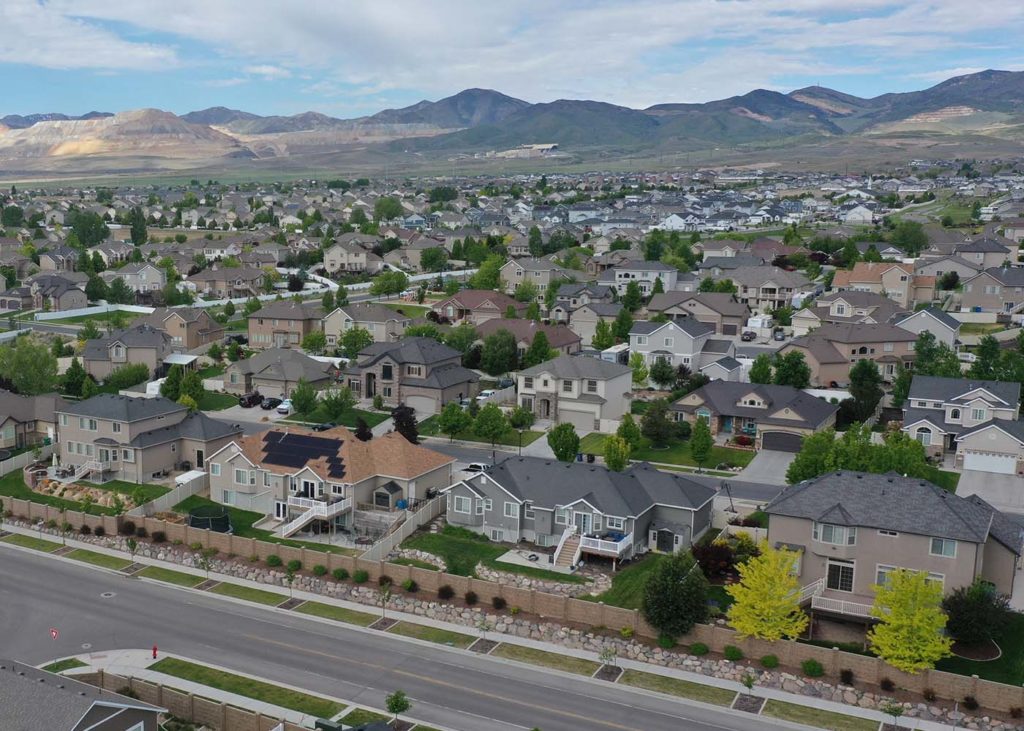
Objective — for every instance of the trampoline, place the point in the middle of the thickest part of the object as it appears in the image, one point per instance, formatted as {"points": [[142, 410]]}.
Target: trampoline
{"points": [[210, 517]]}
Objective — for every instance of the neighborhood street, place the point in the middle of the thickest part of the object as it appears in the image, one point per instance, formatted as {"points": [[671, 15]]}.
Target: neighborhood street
{"points": [[95, 611]]}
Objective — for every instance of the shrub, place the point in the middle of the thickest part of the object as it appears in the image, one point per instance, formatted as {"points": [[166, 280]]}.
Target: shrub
{"points": [[514, 610], [666, 642], [319, 570], [274, 560], [360, 577], [887, 685], [733, 653], [127, 528], [339, 574], [294, 565], [385, 580], [128, 693], [970, 703], [930, 696], [1016, 712], [141, 532], [626, 633], [100, 531], [743, 440], [470, 597], [498, 602], [812, 668], [85, 530], [198, 546], [445, 592], [769, 661], [846, 676], [51, 524], [159, 536], [699, 649], [410, 586]]}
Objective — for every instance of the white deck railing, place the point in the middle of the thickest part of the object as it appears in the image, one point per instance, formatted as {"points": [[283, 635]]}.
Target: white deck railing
{"points": [[812, 590], [840, 606], [566, 534], [614, 548]]}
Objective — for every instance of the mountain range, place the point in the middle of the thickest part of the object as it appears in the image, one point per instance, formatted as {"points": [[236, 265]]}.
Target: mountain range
{"points": [[989, 105]]}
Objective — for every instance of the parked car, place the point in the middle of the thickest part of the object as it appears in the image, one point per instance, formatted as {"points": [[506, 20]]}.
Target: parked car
{"points": [[285, 406], [748, 336], [270, 403], [237, 338], [248, 400], [506, 382], [323, 427], [779, 335], [476, 467], [487, 393]]}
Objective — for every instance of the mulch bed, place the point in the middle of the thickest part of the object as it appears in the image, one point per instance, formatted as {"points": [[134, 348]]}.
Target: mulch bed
{"points": [[207, 585], [982, 653], [133, 568], [384, 624], [291, 604], [749, 703], [483, 646], [610, 673], [400, 725]]}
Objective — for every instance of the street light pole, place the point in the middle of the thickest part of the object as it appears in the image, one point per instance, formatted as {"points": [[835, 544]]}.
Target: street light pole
{"points": [[520, 442]]}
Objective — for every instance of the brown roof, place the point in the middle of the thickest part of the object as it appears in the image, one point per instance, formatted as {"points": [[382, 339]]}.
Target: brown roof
{"points": [[524, 331], [391, 455], [471, 299]]}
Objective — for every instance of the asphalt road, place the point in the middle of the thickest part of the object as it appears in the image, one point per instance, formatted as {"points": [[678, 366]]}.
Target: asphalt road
{"points": [[449, 688]]}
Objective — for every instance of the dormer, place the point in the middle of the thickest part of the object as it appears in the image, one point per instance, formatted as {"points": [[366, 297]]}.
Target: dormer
{"points": [[840, 308], [753, 400]]}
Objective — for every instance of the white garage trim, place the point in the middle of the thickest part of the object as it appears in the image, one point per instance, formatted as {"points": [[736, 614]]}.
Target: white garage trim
{"points": [[1003, 464]]}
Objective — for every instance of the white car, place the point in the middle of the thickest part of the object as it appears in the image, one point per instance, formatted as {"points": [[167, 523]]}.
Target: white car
{"points": [[476, 467], [285, 406], [487, 393]]}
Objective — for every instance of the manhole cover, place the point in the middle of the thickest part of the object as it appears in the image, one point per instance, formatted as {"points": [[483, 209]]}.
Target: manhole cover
{"points": [[108, 595], [86, 645]]}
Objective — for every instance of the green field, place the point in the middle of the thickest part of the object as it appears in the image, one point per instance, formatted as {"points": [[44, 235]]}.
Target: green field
{"points": [[99, 559], [428, 428], [628, 584], [338, 614], [409, 310], [214, 401], [816, 717], [681, 688], [553, 660], [249, 594], [149, 492], [1008, 668], [677, 452], [67, 664], [361, 717], [432, 634], [36, 544], [319, 416], [178, 578]]}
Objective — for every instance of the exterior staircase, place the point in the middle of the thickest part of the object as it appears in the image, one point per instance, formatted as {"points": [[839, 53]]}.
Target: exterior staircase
{"points": [[567, 554], [85, 468], [312, 510]]}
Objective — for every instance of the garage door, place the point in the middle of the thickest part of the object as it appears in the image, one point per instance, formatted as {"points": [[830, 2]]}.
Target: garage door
{"points": [[781, 441], [729, 329], [1004, 464], [424, 405], [582, 420]]}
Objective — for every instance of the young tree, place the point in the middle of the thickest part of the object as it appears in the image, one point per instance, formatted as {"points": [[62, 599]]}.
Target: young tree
{"points": [[188, 402], [658, 287], [766, 600], [315, 342], [616, 453], [461, 338], [397, 703], [521, 418], [901, 386], [564, 442], [640, 372], [539, 350], [120, 292], [171, 387], [603, 336], [488, 274], [500, 353], [792, 370], [29, 366], [337, 402], [865, 388], [662, 373], [363, 431], [490, 423], [89, 331], [632, 299], [623, 324], [354, 341], [453, 420], [404, 418], [234, 351], [987, 356], [701, 443], [675, 595], [655, 424], [909, 634], [192, 386], [629, 431], [327, 301], [526, 291], [74, 378], [761, 370], [215, 352], [977, 613], [533, 312], [303, 398]]}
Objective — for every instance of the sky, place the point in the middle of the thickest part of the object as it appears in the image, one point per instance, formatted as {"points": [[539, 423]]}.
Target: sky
{"points": [[354, 57]]}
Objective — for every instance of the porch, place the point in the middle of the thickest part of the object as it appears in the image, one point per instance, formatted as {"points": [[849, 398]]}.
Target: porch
{"points": [[818, 597]]}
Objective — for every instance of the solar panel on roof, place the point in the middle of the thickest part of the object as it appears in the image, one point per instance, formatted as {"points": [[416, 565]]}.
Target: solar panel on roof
{"points": [[295, 450]]}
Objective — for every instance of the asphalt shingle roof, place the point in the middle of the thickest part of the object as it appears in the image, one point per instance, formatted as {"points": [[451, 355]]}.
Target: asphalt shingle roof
{"points": [[723, 397], [567, 366], [115, 407], [937, 388]]}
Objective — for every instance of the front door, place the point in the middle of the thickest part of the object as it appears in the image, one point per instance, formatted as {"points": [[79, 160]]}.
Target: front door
{"points": [[280, 510], [666, 541], [200, 459], [582, 521]]}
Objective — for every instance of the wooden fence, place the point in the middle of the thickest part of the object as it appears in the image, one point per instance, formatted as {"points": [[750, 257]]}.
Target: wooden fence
{"points": [[556, 608]]}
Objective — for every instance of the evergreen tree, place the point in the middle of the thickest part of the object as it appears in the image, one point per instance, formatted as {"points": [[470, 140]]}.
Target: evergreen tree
{"points": [[655, 424], [404, 418], [675, 595], [74, 378], [363, 432], [623, 324], [662, 373], [865, 389], [539, 350], [632, 299], [171, 387]]}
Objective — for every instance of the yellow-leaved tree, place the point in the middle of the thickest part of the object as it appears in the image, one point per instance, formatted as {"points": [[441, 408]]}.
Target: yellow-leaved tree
{"points": [[766, 601], [909, 634]]}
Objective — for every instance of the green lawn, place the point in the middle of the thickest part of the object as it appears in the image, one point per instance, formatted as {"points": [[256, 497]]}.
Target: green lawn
{"points": [[99, 559], [720, 596], [36, 544], [1009, 668], [168, 576], [338, 614], [628, 584], [414, 562], [942, 478], [407, 309], [361, 717], [212, 371], [462, 550], [240, 685], [101, 319], [677, 687], [12, 485], [428, 428], [237, 326], [639, 407], [150, 492], [980, 328], [67, 664], [816, 717], [249, 594], [545, 659], [319, 416], [676, 453], [214, 401], [432, 634]]}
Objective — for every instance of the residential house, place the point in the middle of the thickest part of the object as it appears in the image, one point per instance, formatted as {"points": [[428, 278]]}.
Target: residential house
{"points": [[590, 394], [419, 372], [58, 259], [764, 288], [135, 438], [940, 266], [852, 529], [721, 247], [283, 324], [848, 306], [383, 323], [986, 252], [572, 296], [543, 273], [476, 306], [831, 350], [137, 344], [775, 417], [999, 289], [227, 282], [895, 280], [584, 319], [684, 341], [277, 371], [31, 698], [560, 338], [113, 252], [352, 257], [27, 420], [188, 327], [944, 327], [978, 420], [722, 311], [141, 277], [316, 481], [644, 273], [579, 508], [54, 293]]}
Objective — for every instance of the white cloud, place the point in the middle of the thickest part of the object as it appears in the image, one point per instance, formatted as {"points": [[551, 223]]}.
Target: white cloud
{"points": [[268, 72], [225, 83]]}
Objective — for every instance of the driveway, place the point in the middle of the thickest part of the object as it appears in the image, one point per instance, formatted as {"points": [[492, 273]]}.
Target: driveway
{"points": [[1005, 492], [768, 466]]}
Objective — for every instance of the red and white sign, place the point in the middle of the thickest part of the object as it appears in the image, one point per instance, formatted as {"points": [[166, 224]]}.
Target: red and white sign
{"points": [[54, 633]]}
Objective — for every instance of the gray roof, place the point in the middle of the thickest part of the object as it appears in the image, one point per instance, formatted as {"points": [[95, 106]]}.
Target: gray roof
{"points": [[32, 699], [568, 366], [717, 346], [604, 309], [548, 483], [723, 303], [937, 388], [949, 321], [722, 397], [30, 408], [752, 276], [731, 262], [1008, 276], [284, 364], [693, 328], [371, 312], [1014, 428], [197, 426], [140, 336], [443, 377], [891, 502], [577, 288], [419, 350], [289, 310], [114, 407], [728, 363], [985, 244]]}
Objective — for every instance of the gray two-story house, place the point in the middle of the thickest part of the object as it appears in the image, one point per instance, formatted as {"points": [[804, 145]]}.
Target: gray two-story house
{"points": [[578, 508]]}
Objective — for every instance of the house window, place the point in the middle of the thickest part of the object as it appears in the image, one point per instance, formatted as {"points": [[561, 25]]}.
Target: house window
{"points": [[511, 510], [241, 477], [266, 479], [954, 415], [641, 340], [889, 533], [591, 386], [128, 455], [882, 575], [840, 575], [528, 382], [215, 469], [479, 507], [976, 414], [887, 347], [87, 424], [837, 535], [561, 516], [943, 547], [117, 427], [337, 489], [529, 511], [567, 386], [414, 370], [462, 504], [704, 414], [386, 391], [668, 342], [613, 523], [840, 309], [63, 419], [924, 435], [488, 504]]}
